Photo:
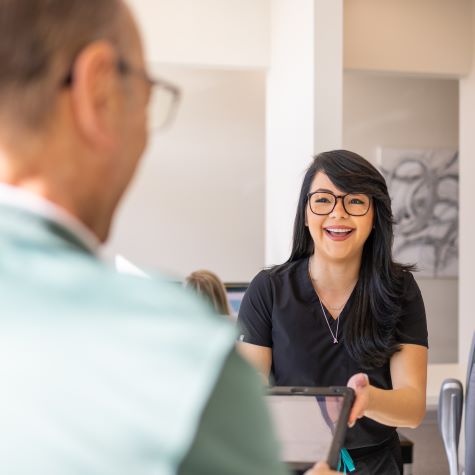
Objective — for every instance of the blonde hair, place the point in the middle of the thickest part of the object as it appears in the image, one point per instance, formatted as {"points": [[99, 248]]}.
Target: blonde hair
{"points": [[209, 285]]}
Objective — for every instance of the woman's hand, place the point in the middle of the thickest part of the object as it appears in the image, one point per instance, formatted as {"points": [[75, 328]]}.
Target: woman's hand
{"points": [[360, 384], [320, 469], [403, 405]]}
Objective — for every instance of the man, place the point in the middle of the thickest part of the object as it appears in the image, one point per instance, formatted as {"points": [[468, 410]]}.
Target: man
{"points": [[101, 373]]}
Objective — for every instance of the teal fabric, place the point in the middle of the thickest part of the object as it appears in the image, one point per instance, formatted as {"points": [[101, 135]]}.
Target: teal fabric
{"points": [[100, 373], [345, 464]]}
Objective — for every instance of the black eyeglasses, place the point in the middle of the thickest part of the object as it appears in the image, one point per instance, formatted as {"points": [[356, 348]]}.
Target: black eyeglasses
{"points": [[324, 202], [164, 96]]}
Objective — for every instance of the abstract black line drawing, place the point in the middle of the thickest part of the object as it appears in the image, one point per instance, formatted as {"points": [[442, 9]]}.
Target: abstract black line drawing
{"points": [[424, 188]]}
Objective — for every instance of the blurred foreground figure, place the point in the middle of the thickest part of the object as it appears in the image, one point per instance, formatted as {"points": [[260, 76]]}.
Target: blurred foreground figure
{"points": [[101, 373]]}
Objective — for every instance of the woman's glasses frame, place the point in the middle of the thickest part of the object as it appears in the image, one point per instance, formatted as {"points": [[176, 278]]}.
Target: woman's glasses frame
{"points": [[336, 198]]}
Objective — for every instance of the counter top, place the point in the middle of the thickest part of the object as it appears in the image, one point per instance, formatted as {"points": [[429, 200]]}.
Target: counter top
{"points": [[435, 376]]}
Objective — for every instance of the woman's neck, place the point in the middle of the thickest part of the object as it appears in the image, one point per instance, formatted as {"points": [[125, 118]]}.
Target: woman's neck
{"points": [[334, 276]]}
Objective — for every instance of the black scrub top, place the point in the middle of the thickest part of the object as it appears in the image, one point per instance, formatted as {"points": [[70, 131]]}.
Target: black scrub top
{"points": [[281, 310]]}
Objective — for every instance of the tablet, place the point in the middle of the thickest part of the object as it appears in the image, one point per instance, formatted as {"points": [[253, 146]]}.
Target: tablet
{"points": [[310, 423]]}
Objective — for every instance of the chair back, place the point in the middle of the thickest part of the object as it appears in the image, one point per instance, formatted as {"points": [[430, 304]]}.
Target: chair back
{"points": [[470, 413], [450, 420]]}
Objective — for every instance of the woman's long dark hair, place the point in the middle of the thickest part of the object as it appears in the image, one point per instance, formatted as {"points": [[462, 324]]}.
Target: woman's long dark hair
{"points": [[369, 334]]}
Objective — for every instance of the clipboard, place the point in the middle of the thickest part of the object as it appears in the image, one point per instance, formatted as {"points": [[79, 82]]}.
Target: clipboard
{"points": [[310, 423]]}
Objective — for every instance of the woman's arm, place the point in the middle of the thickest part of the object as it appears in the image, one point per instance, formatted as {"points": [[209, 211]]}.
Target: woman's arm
{"points": [[405, 404], [260, 357]]}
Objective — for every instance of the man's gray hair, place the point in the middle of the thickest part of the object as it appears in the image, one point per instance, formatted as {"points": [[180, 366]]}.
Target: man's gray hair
{"points": [[39, 41]]}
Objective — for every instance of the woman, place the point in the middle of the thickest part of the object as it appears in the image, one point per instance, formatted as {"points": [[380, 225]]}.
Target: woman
{"points": [[209, 285], [341, 311]]}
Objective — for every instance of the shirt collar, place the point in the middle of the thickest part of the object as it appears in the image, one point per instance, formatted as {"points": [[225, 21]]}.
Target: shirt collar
{"points": [[23, 199]]}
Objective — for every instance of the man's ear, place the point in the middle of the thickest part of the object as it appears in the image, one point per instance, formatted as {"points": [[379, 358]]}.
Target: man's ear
{"points": [[94, 92]]}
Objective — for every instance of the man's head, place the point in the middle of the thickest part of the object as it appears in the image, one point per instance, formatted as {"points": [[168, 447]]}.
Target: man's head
{"points": [[72, 111]]}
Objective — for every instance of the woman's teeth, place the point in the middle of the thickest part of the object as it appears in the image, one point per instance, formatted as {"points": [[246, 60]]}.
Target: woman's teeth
{"points": [[338, 231]]}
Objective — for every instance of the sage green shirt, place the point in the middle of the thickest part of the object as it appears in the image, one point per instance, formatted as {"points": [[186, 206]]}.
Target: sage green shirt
{"points": [[108, 374]]}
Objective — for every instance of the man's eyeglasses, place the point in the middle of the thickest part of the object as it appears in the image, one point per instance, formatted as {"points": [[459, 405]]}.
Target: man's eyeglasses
{"points": [[323, 202], [164, 96]]}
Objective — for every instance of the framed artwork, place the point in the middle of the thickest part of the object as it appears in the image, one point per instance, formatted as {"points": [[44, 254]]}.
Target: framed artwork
{"points": [[424, 189]]}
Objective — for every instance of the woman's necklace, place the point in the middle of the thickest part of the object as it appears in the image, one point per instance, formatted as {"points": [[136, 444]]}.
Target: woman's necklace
{"points": [[336, 307], [340, 307], [334, 335]]}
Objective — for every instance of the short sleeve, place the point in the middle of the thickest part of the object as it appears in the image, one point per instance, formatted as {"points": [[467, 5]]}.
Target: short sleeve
{"points": [[412, 326], [235, 435], [255, 312]]}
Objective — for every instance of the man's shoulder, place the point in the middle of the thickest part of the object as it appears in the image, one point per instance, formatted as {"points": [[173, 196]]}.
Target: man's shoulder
{"points": [[138, 353], [156, 301], [77, 288]]}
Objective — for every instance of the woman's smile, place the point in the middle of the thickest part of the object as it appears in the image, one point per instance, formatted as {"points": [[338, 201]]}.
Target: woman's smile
{"points": [[338, 232]]}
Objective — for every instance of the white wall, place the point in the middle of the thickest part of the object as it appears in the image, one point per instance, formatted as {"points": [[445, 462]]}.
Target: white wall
{"points": [[425, 36], [417, 36], [198, 199], [467, 209], [383, 110], [304, 106], [289, 119], [432, 37], [227, 33], [328, 75]]}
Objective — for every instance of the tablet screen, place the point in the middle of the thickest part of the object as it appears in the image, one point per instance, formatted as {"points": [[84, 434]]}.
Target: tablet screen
{"points": [[308, 426]]}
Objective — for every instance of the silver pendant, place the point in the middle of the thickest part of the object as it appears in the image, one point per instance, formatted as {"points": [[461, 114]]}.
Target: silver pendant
{"points": [[334, 335]]}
